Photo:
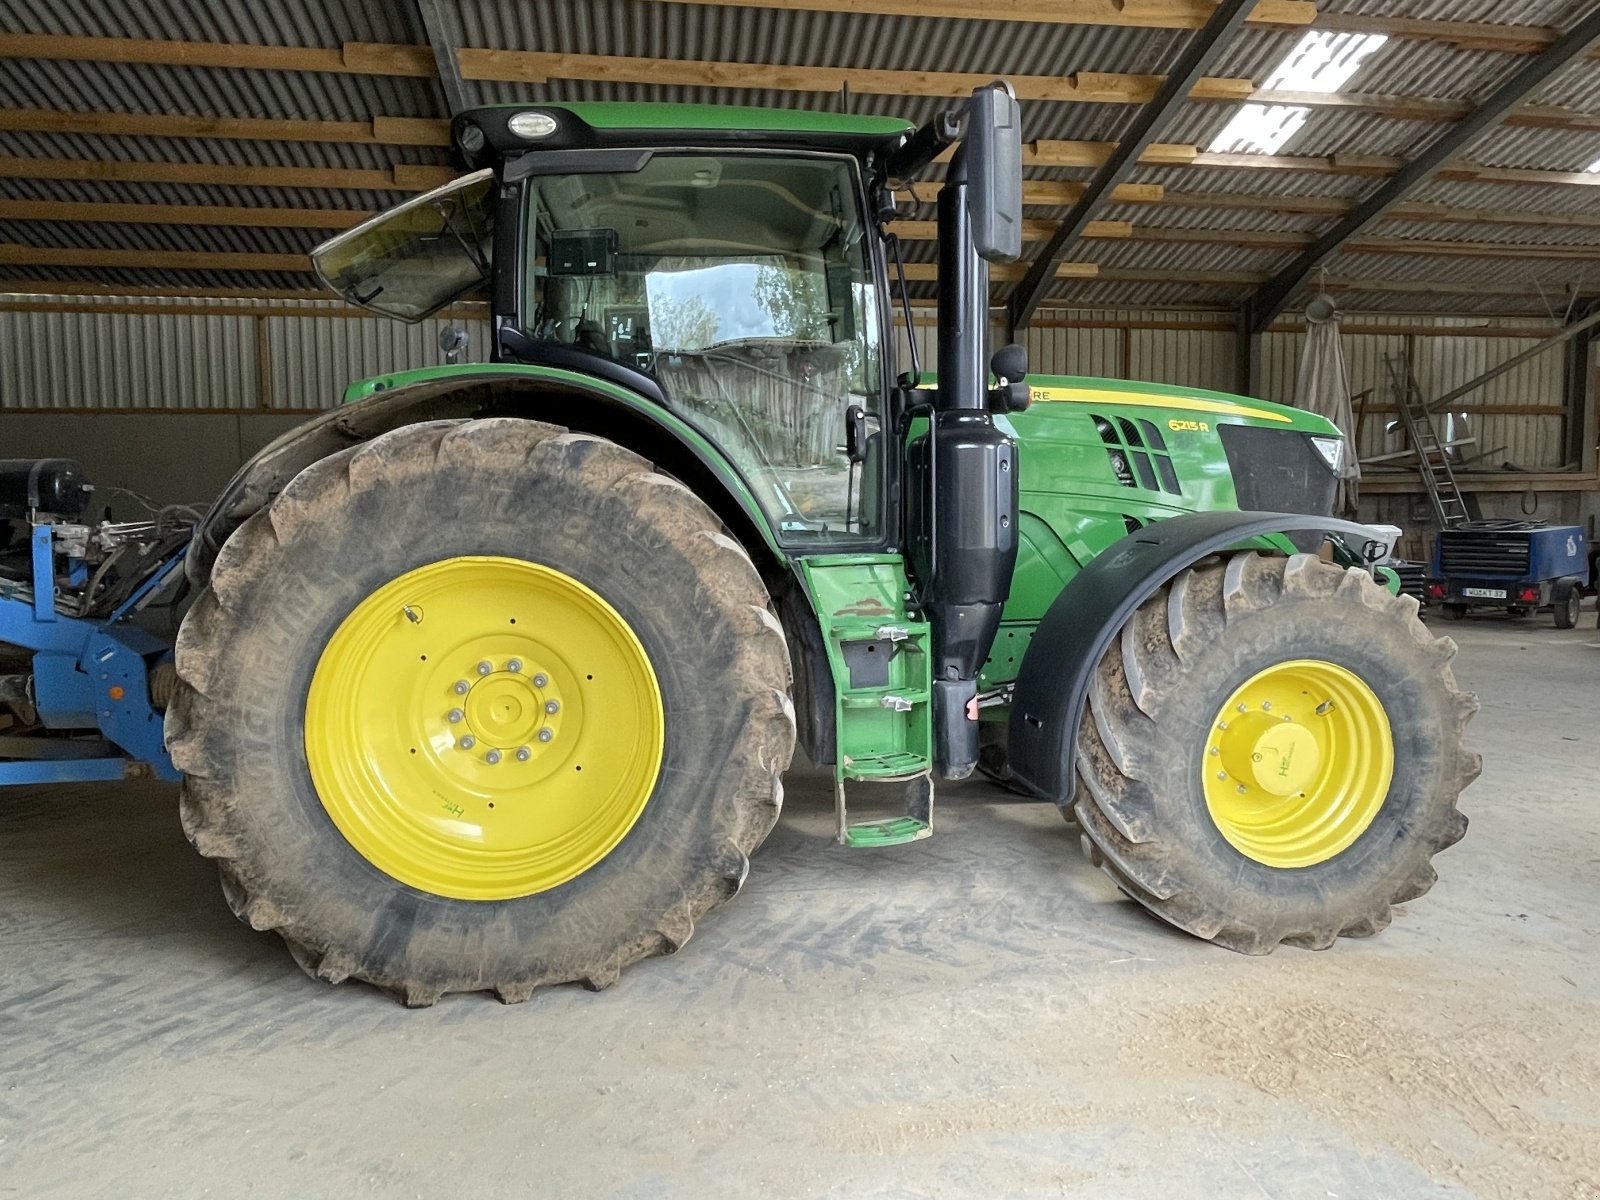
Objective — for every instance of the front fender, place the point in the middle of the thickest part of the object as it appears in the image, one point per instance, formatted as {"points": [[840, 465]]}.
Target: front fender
{"points": [[563, 397], [1053, 682]]}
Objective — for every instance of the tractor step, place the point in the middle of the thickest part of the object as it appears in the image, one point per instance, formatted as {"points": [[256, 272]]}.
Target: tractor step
{"points": [[913, 826], [891, 831]]}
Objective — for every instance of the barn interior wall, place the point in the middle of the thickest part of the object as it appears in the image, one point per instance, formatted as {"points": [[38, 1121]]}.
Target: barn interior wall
{"points": [[171, 403]]}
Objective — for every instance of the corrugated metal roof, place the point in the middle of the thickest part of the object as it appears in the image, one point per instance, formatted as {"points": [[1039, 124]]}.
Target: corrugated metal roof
{"points": [[779, 35]]}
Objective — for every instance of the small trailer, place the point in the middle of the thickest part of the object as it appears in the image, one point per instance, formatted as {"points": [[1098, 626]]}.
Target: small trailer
{"points": [[1514, 566]]}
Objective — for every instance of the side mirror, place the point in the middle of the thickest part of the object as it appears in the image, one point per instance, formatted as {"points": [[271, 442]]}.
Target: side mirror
{"points": [[1010, 368], [452, 341], [994, 173]]}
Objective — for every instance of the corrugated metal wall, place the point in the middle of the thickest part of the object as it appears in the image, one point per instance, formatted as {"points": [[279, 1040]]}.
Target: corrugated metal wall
{"points": [[193, 360], [199, 360]]}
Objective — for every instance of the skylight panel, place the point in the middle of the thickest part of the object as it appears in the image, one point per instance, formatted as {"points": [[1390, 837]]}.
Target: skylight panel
{"points": [[1319, 62]]}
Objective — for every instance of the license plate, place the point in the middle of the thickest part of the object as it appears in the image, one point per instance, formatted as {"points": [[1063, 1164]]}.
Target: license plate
{"points": [[1484, 593]]}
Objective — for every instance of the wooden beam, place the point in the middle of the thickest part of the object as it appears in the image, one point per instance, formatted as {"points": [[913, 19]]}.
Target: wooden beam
{"points": [[1377, 166], [353, 58], [403, 178], [1051, 192], [1333, 206], [1047, 153], [1136, 14], [158, 260], [1004, 272], [1417, 108], [1032, 231], [1095, 87], [179, 214], [1463, 35], [1252, 239], [381, 131]]}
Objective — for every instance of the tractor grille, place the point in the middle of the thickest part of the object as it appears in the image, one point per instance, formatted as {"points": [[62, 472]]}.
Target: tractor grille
{"points": [[1483, 552], [1139, 457], [1277, 470]]}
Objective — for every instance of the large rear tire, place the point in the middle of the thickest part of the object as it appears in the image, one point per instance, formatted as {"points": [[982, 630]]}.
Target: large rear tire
{"points": [[480, 705], [1272, 753]]}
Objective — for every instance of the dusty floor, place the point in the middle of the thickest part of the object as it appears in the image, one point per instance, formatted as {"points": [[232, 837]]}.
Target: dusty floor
{"points": [[978, 1015]]}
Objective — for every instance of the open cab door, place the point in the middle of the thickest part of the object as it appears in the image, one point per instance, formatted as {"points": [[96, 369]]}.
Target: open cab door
{"points": [[413, 260]]}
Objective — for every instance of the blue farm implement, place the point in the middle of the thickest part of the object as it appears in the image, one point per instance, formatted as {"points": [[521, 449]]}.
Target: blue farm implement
{"points": [[81, 686]]}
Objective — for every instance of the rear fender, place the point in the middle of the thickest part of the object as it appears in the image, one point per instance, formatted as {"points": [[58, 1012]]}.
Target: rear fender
{"points": [[562, 397], [1082, 621]]}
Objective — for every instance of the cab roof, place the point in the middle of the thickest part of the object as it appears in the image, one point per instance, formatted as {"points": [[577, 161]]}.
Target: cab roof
{"points": [[598, 124]]}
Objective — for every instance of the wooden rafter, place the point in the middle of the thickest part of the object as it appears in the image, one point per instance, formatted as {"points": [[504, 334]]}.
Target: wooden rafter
{"points": [[532, 66], [1136, 14], [402, 178]]}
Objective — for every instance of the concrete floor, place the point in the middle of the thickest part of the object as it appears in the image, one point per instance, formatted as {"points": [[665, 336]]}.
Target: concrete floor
{"points": [[977, 1015]]}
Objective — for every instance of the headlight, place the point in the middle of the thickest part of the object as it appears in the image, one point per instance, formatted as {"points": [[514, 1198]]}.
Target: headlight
{"points": [[1332, 451], [531, 124]]}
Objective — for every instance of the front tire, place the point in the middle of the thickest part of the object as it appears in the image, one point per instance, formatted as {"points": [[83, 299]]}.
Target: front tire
{"points": [[1272, 753], [349, 778]]}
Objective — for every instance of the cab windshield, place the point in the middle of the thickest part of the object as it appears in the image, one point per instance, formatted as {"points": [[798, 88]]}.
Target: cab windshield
{"points": [[743, 284]]}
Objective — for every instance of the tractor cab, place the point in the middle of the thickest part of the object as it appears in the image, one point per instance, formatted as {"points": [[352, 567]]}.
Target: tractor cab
{"points": [[738, 285]]}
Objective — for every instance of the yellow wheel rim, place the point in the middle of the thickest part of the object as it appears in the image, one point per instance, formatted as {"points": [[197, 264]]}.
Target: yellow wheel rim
{"points": [[484, 728], [1297, 763]]}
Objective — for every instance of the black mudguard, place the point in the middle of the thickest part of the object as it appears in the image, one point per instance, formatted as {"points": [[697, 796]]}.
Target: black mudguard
{"points": [[1053, 683]]}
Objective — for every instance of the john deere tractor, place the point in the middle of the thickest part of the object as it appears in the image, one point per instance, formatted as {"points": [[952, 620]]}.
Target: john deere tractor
{"points": [[496, 668]]}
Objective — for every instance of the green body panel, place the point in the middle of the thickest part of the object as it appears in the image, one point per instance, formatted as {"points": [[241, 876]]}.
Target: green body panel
{"points": [[624, 115], [469, 373], [1073, 504]]}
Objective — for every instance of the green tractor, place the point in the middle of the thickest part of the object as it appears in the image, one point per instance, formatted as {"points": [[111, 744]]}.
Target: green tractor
{"points": [[497, 668]]}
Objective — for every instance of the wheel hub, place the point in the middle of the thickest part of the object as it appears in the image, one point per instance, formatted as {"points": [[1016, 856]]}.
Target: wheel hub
{"points": [[454, 730], [1298, 763]]}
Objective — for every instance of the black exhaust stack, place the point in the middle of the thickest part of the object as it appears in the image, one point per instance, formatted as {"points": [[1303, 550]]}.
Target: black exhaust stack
{"points": [[961, 479]]}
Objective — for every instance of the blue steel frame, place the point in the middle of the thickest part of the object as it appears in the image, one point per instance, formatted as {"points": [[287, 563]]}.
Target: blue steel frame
{"points": [[89, 676]]}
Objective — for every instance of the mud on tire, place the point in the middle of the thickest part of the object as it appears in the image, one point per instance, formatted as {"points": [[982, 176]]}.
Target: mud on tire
{"points": [[1140, 801], [350, 523]]}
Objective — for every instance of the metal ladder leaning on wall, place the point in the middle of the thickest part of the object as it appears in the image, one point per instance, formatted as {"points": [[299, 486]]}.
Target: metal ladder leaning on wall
{"points": [[1433, 463]]}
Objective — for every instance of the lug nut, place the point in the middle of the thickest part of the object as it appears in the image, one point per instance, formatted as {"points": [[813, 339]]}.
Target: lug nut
{"points": [[1242, 708], [462, 687], [546, 734], [1266, 706], [540, 680], [524, 754], [1222, 774], [484, 668], [514, 665], [552, 706], [1215, 751], [454, 716], [468, 742], [1243, 789], [492, 757]]}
